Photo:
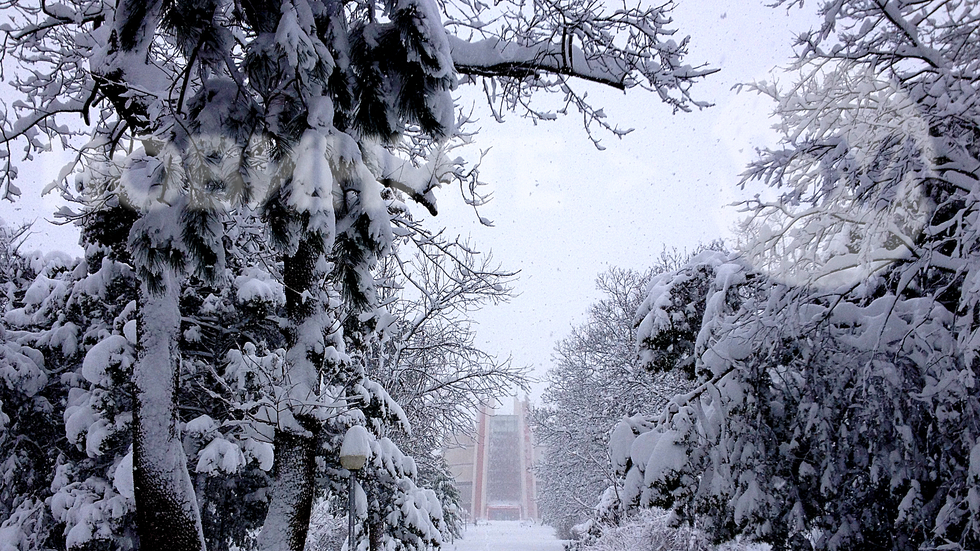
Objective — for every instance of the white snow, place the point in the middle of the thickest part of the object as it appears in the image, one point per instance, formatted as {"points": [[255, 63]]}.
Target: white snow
{"points": [[96, 435], [506, 536], [357, 442], [21, 367], [619, 444], [129, 331], [750, 500], [312, 189], [260, 451], [122, 478], [200, 425], [668, 456], [220, 455], [492, 52], [78, 415], [112, 349]]}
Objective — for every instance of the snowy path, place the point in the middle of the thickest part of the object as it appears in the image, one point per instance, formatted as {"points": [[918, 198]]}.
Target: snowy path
{"points": [[505, 535]]}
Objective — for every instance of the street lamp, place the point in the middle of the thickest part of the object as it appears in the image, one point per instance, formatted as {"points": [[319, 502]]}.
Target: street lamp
{"points": [[354, 452]]}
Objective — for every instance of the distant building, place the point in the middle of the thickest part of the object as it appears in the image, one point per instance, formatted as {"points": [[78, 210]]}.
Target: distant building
{"points": [[493, 469]]}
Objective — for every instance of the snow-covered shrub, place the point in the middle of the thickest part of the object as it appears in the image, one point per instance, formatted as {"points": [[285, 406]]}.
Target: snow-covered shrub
{"points": [[595, 380], [818, 418], [71, 320], [29, 406], [81, 328]]}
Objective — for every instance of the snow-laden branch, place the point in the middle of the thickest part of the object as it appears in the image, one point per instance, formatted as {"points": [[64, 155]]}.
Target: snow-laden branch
{"points": [[497, 57], [621, 47], [418, 182]]}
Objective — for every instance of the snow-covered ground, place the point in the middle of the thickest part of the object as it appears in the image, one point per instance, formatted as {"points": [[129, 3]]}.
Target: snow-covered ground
{"points": [[503, 535]]}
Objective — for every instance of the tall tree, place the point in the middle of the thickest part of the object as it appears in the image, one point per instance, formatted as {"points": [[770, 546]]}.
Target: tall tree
{"points": [[428, 357], [597, 379]]}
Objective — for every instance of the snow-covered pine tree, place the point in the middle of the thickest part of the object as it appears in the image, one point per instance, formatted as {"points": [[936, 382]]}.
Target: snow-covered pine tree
{"points": [[29, 420], [76, 319], [231, 344], [315, 112], [79, 317], [238, 323], [226, 432]]}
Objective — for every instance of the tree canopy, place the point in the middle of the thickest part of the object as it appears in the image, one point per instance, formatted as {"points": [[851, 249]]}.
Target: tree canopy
{"points": [[834, 358]]}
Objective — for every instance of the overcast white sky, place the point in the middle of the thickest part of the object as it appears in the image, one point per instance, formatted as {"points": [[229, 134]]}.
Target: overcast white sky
{"points": [[563, 211]]}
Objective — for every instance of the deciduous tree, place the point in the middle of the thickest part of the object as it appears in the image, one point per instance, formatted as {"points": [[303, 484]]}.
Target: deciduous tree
{"points": [[596, 380], [835, 360]]}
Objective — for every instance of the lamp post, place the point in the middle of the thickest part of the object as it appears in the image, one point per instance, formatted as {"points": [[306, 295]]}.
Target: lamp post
{"points": [[354, 452]]}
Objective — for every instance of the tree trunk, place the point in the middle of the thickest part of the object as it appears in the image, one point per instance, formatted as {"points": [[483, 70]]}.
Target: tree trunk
{"points": [[167, 515], [376, 535], [288, 520]]}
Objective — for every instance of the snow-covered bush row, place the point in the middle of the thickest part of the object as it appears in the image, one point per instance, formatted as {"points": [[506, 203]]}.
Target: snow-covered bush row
{"points": [[593, 381], [837, 419], [596, 379]]}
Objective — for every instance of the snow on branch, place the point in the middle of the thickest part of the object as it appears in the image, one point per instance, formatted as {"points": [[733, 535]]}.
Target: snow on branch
{"points": [[521, 50], [495, 57], [575, 38]]}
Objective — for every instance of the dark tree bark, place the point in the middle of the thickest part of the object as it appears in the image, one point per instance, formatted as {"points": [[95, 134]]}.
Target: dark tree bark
{"points": [[167, 514], [288, 520], [376, 535]]}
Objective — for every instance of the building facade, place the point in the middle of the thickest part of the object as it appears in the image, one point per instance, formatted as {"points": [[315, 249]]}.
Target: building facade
{"points": [[494, 467]]}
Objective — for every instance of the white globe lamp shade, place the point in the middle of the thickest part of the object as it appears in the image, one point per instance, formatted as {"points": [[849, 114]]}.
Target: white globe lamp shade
{"points": [[355, 449]]}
